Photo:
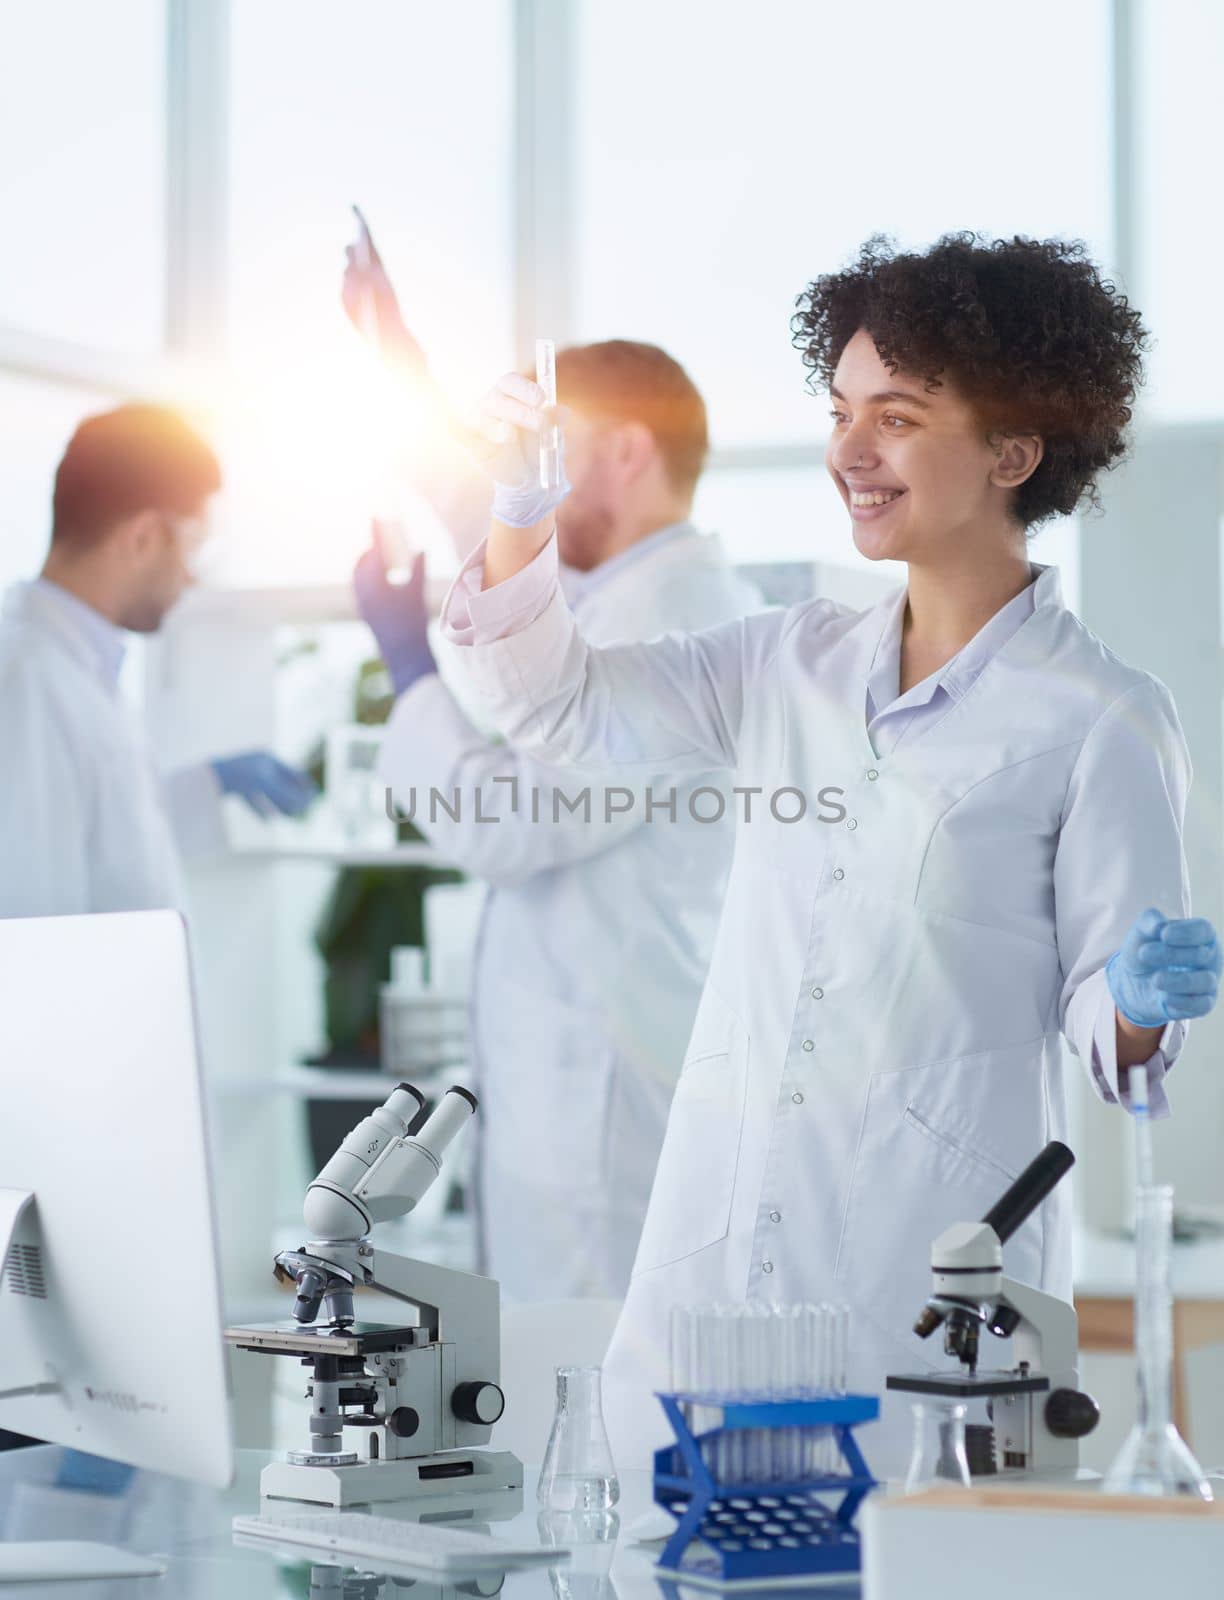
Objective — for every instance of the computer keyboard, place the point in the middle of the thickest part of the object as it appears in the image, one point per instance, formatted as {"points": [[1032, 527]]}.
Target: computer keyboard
{"points": [[428, 1545]]}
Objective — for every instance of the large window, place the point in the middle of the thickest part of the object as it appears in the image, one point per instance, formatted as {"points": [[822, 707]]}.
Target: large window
{"points": [[406, 110], [1179, 48], [727, 155], [82, 198], [82, 171]]}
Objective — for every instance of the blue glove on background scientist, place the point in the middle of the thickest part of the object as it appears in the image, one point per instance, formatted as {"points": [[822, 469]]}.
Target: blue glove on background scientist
{"points": [[267, 784], [397, 617]]}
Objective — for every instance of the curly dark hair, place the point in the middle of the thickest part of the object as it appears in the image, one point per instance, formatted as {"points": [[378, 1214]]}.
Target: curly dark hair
{"points": [[1026, 329]]}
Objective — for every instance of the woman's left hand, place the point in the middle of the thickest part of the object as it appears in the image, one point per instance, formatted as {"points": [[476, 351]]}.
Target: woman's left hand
{"points": [[1168, 970]]}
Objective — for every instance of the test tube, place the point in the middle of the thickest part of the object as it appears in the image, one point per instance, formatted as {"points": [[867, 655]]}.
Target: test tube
{"points": [[837, 1336], [1141, 1123], [756, 1378], [396, 547], [391, 534], [369, 308], [684, 1321], [839, 1347], [793, 1337], [550, 431], [684, 1325]]}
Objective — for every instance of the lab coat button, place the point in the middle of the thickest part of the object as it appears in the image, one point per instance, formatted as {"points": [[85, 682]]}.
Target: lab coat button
{"points": [[766, 1266], [817, 994], [872, 774], [838, 874], [797, 1098], [809, 1044], [775, 1216], [852, 824]]}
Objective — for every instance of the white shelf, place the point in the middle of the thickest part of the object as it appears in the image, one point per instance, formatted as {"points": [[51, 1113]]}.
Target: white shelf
{"points": [[1105, 1268], [342, 855], [272, 605], [328, 1083]]}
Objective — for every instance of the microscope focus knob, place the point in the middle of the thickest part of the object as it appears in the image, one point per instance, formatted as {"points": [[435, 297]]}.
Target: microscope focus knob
{"points": [[478, 1402], [1070, 1414], [404, 1422]]}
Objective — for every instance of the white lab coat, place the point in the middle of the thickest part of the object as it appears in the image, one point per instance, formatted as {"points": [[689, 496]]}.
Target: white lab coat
{"points": [[592, 951], [876, 1053], [85, 821]]}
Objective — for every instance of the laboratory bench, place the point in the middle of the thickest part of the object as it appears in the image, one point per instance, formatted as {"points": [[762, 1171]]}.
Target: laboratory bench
{"points": [[190, 1527]]}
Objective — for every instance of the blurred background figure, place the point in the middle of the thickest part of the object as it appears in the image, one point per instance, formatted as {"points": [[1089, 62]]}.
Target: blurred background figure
{"points": [[86, 824], [597, 929]]}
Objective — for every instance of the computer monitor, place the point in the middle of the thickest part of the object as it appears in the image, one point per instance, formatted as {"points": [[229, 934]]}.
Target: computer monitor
{"points": [[110, 1296]]}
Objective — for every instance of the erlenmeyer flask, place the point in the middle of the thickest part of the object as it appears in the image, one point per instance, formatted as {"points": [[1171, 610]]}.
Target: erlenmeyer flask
{"points": [[938, 1456], [578, 1474], [590, 1537], [1155, 1459]]}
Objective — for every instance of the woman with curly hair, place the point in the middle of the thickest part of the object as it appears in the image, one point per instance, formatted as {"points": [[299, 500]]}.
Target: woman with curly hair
{"points": [[960, 837]]}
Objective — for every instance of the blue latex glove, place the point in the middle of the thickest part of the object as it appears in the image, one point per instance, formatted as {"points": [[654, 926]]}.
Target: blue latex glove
{"points": [[267, 784], [397, 616], [505, 439], [1167, 970]]}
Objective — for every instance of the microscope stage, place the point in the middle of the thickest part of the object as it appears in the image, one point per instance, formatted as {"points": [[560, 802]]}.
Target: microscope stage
{"points": [[291, 1338], [966, 1386]]}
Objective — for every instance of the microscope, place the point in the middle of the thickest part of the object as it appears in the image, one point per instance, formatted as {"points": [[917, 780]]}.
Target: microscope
{"points": [[1038, 1412], [423, 1394]]}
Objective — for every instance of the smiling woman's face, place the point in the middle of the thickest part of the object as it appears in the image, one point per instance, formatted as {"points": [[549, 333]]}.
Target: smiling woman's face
{"points": [[913, 466]]}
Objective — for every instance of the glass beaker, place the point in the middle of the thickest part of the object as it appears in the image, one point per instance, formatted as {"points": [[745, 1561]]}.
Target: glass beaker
{"points": [[578, 1474], [1155, 1459], [938, 1456]]}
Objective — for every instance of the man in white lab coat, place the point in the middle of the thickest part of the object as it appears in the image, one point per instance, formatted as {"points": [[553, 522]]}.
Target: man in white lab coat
{"points": [[600, 920], [86, 822]]}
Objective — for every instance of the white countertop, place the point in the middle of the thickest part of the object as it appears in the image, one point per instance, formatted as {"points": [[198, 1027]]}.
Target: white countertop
{"points": [[190, 1527], [1105, 1268]]}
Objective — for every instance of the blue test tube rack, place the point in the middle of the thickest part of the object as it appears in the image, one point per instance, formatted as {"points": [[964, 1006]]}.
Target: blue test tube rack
{"points": [[754, 1531]]}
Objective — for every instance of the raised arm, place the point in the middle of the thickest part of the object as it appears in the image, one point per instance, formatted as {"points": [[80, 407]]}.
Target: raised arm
{"points": [[432, 460], [674, 705]]}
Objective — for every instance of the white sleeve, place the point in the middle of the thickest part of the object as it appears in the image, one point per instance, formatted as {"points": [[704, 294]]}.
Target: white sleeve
{"points": [[673, 705], [1119, 851], [192, 797], [472, 615], [47, 802], [486, 807]]}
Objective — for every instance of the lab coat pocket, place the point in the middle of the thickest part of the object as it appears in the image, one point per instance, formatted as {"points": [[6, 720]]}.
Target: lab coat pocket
{"points": [[955, 1147], [938, 1144], [690, 1204]]}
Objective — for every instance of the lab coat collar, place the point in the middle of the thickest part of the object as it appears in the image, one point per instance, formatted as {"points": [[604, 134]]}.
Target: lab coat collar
{"points": [[958, 675], [92, 638], [578, 586]]}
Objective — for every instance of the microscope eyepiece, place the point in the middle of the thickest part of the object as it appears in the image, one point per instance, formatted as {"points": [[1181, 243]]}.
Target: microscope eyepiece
{"points": [[1029, 1190]]}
